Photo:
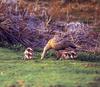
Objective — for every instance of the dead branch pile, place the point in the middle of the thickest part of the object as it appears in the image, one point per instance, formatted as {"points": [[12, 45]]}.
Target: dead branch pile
{"points": [[27, 26]]}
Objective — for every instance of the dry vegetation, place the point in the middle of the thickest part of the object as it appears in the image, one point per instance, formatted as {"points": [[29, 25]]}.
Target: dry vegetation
{"points": [[34, 22]]}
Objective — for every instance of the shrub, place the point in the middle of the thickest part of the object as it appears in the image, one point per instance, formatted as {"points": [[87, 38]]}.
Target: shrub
{"points": [[51, 53], [88, 57]]}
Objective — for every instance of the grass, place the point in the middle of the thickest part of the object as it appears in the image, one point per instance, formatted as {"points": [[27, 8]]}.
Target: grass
{"points": [[15, 72]]}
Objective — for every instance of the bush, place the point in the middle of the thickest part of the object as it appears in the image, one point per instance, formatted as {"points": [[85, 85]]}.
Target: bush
{"points": [[88, 57], [15, 47], [51, 53]]}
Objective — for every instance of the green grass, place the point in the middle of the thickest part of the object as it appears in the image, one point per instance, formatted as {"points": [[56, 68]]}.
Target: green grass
{"points": [[15, 72]]}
